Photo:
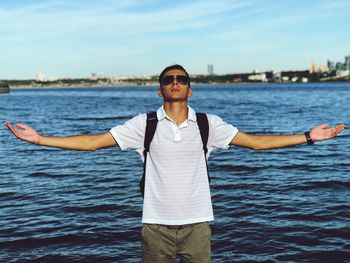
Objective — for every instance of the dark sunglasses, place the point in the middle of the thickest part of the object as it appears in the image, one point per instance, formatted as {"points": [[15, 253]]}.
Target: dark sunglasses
{"points": [[180, 79]]}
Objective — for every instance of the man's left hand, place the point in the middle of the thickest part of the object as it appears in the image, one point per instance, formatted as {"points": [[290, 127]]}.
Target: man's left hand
{"points": [[324, 132]]}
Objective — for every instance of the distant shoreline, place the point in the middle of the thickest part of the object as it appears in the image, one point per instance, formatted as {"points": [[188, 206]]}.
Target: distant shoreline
{"points": [[229, 79], [131, 85]]}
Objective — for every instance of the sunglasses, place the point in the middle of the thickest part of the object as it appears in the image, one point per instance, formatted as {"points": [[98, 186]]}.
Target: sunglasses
{"points": [[180, 79]]}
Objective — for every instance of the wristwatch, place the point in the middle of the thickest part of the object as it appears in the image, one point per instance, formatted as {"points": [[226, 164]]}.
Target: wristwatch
{"points": [[308, 138]]}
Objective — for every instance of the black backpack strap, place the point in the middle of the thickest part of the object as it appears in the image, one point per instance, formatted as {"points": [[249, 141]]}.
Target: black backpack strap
{"points": [[203, 125], [151, 125]]}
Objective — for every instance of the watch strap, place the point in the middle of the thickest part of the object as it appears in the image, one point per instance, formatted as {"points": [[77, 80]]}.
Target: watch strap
{"points": [[308, 138]]}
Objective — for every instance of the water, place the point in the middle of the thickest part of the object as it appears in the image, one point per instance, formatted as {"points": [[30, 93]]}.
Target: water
{"points": [[285, 205]]}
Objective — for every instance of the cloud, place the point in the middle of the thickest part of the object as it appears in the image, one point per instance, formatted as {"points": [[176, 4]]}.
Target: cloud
{"points": [[68, 18]]}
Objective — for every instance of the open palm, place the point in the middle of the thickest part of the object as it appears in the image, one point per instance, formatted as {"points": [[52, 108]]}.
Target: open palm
{"points": [[323, 132], [24, 133]]}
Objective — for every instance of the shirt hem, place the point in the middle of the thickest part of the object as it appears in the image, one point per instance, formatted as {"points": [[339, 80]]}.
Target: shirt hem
{"points": [[177, 222]]}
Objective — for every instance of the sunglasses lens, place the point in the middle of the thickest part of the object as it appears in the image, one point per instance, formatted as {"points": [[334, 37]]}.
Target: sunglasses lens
{"points": [[182, 79], [167, 80], [170, 79]]}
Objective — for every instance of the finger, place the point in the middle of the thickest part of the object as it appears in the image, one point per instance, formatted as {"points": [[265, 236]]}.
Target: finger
{"points": [[337, 129], [7, 123], [22, 126], [9, 126], [341, 125], [12, 129], [340, 128]]}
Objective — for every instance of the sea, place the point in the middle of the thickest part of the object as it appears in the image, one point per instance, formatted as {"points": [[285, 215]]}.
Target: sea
{"points": [[281, 205]]}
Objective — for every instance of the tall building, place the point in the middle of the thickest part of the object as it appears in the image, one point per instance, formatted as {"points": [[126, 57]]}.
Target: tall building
{"points": [[330, 65], [312, 67], [41, 77], [347, 62], [210, 69]]}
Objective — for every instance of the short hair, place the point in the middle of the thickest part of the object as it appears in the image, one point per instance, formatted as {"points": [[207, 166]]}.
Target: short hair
{"points": [[176, 66]]}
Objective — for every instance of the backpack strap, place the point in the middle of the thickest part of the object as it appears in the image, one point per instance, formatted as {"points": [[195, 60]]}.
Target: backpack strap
{"points": [[203, 124], [151, 125]]}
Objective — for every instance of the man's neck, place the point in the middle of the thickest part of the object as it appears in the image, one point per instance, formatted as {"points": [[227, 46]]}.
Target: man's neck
{"points": [[177, 111]]}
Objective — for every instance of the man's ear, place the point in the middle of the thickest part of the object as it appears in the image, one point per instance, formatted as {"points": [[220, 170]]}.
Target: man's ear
{"points": [[160, 94], [190, 92]]}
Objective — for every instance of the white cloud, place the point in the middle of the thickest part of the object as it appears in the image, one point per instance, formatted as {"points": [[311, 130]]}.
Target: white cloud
{"points": [[50, 18]]}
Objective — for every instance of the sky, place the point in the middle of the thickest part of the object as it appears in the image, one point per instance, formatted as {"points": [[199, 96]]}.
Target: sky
{"points": [[64, 38]]}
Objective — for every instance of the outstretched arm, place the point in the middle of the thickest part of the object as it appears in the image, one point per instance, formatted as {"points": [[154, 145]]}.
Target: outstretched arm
{"points": [[79, 142], [264, 142]]}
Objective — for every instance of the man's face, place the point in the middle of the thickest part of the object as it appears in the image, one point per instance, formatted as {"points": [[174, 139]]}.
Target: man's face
{"points": [[174, 87]]}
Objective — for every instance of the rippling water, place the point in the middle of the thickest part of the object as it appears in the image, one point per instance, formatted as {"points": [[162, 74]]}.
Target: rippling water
{"points": [[285, 205]]}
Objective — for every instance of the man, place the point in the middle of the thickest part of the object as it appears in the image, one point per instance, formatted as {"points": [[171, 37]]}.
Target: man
{"points": [[177, 204]]}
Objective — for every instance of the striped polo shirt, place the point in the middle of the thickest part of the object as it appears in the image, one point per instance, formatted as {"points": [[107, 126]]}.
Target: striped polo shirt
{"points": [[176, 188]]}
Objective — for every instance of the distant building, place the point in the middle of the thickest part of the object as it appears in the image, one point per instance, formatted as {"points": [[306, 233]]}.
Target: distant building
{"points": [[343, 73], [285, 79], [276, 76], [258, 77], [94, 76], [346, 65], [313, 68], [322, 68], [343, 69], [210, 69], [330, 65], [41, 77], [347, 62], [339, 65], [112, 79]]}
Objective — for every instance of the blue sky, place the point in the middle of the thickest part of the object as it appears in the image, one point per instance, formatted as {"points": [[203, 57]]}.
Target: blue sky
{"points": [[64, 38]]}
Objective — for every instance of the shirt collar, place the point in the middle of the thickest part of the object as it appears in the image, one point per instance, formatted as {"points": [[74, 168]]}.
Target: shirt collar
{"points": [[161, 114]]}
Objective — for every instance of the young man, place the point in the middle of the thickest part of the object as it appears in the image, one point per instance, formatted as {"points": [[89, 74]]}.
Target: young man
{"points": [[177, 203]]}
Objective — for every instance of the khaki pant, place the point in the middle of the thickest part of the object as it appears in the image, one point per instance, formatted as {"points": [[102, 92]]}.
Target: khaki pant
{"points": [[161, 244]]}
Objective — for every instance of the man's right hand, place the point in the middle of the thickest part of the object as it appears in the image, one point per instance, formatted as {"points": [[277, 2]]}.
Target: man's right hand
{"points": [[77, 142], [24, 133]]}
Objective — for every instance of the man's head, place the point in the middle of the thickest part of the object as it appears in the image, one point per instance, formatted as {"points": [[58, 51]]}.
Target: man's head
{"points": [[174, 84], [176, 66]]}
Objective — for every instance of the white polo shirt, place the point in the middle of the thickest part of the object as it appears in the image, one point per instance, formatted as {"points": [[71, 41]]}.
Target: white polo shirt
{"points": [[176, 188]]}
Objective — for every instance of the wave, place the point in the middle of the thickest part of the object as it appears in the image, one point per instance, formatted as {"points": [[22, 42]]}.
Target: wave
{"points": [[49, 175], [95, 208], [32, 242], [298, 167], [334, 256], [7, 194], [97, 118], [236, 168], [331, 185]]}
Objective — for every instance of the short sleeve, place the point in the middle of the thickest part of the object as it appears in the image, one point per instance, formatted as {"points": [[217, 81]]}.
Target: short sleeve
{"points": [[220, 133], [130, 135]]}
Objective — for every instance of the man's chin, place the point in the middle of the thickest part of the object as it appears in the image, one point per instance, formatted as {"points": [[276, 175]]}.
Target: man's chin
{"points": [[175, 99]]}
